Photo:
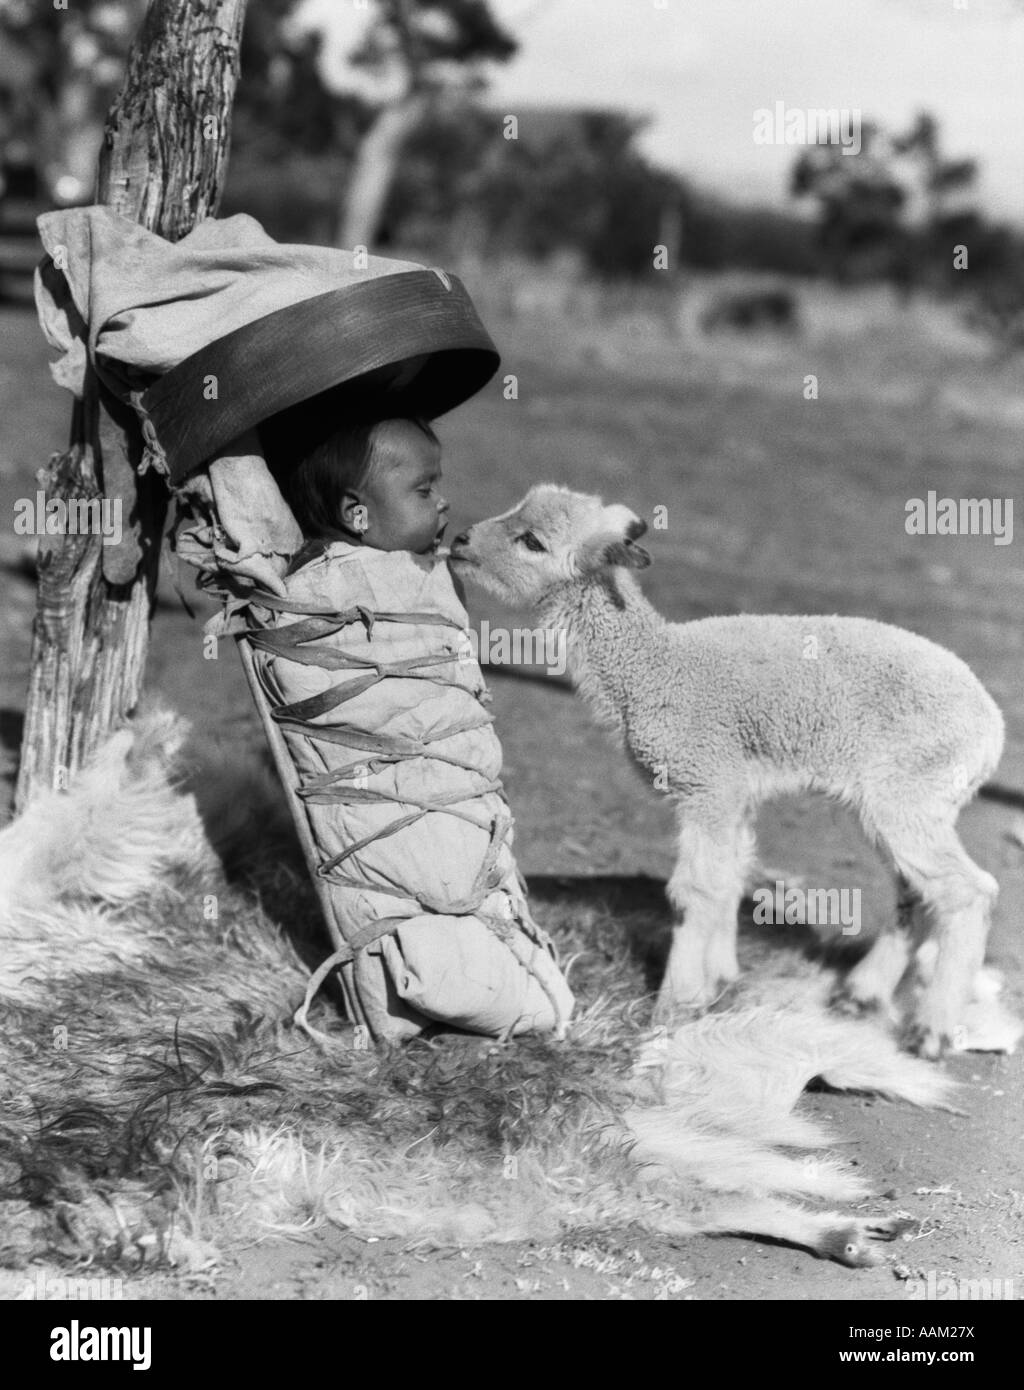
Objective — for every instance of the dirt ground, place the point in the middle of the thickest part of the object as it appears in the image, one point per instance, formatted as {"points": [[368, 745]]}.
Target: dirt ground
{"points": [[773, 503]]}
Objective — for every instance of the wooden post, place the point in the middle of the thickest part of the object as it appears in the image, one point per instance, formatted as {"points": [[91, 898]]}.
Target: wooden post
{"points": [[163, 162]]}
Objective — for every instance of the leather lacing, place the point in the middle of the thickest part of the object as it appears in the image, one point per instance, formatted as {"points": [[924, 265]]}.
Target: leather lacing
{"points": [[298, 642]]}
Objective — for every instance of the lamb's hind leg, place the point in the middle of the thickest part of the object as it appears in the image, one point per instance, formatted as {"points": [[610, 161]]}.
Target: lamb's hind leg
{"points": [[873, 981], [956, 899], [706, 888]]}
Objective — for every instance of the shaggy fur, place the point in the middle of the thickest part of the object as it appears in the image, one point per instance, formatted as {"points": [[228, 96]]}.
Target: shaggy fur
{"points": [[157, 1104], [727, 712]]}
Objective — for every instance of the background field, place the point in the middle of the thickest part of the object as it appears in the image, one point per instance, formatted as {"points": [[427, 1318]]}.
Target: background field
{"points": [[774, 503]]}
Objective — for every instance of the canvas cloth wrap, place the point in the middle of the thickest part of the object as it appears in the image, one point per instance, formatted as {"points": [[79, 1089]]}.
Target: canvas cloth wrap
{"points": [[398, 776], [369, 671]]}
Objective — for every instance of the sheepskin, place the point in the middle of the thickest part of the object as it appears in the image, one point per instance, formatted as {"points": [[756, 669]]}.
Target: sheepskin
{"points": [[157, 1106]]}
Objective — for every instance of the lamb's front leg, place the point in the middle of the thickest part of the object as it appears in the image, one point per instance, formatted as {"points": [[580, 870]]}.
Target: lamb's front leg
{"points": [[706, 888]]}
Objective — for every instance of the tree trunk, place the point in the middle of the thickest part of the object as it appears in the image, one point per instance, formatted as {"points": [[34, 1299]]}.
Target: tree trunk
{"points": [[162, 164], [375, 168]]}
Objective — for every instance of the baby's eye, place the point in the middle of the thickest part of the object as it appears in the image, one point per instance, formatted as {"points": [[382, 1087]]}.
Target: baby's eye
{"points": [[425, 491], [530, 541]]}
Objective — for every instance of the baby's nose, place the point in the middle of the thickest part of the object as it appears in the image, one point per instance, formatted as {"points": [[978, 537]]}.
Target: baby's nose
{"points": [[443, 505]]}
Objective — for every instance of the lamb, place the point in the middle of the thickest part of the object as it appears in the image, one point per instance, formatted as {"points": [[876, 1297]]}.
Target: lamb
{"points": [[726, 712]]}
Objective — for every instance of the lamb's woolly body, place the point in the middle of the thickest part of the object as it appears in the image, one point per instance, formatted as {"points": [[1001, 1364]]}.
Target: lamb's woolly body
{"points": [[765, 705], [726, 712], [690, 1144]]}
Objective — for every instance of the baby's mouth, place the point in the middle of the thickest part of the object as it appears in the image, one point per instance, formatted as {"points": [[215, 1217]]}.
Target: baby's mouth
{"points": [[435, 545]]}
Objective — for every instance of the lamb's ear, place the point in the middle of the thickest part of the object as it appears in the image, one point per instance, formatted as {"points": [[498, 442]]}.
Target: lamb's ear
{"points": [[602, 551], [625, 551]]}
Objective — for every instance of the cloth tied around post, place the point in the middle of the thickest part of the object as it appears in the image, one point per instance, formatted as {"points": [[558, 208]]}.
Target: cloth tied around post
{"points": [[210, 336]]}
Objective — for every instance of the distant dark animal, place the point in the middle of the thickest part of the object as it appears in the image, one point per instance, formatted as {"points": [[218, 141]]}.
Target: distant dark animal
{"points": [[999, 315], [750, 310]]}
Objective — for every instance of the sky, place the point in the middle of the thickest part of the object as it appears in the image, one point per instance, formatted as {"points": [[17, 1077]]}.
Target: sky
{"points": [[700, 69]]}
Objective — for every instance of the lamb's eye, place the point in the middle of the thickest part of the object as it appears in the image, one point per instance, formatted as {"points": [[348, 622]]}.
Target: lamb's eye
{"points": [[530, 541]]}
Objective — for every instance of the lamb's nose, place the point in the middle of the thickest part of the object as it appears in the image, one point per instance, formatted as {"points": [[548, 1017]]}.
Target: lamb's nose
{"points": [[461, 539]]}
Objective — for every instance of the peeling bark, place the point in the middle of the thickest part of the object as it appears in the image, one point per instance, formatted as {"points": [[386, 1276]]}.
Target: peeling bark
{"points": [[163, 163]]}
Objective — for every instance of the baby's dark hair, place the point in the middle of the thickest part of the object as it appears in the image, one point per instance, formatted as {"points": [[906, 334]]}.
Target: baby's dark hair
{"points": [[315, 474]]}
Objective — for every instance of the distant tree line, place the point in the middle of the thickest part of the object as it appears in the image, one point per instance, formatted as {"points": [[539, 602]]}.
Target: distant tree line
{"points": [[542, 181], [433, 167]]}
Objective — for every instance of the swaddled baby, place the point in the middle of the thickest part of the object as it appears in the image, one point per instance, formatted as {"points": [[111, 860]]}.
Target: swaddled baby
{"points": [[383, 707]]}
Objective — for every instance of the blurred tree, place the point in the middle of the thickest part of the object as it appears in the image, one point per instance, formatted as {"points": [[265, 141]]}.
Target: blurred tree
{"points": [[424, 51], [62, 68], [721, 236], [860, 203], [939, 178], [571, 180], [294, 139], [885, 210], [283, 107]]}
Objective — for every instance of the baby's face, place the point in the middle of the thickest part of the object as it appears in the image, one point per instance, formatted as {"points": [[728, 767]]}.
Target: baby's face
{"points": [[405, 509]]}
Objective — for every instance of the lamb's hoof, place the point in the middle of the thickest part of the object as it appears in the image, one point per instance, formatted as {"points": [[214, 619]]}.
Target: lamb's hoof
{"points": [[927, 1042], [858, 1243], [933, 1029]]}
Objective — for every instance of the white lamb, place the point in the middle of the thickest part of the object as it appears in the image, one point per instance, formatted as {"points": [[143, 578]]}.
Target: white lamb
{"points": [[731, 711]]}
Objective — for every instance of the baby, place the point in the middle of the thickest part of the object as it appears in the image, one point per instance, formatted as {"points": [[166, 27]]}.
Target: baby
{"points": [[375, 484], [371, 679]]}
